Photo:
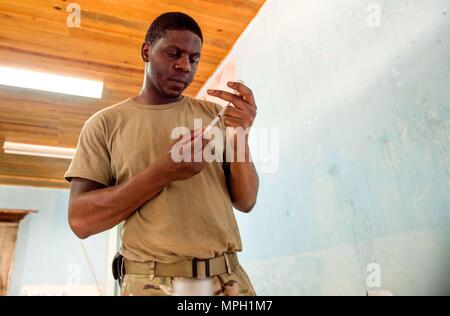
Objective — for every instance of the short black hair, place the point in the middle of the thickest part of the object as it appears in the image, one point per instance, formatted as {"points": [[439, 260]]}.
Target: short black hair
{"points": [[171, 21]]}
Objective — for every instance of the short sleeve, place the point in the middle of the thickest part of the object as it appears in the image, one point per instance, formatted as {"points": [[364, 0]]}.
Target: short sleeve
{"points": [[92, 159]]}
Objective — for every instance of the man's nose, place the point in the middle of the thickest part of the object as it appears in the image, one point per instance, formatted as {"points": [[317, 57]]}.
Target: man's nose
{"points": [[183, 64]]}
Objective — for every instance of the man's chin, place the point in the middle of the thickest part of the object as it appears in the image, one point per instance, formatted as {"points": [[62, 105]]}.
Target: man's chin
{"points": [[172, 93]]}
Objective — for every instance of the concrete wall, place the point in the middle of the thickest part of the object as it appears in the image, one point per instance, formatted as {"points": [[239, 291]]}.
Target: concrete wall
{"points": [[360, 200]]}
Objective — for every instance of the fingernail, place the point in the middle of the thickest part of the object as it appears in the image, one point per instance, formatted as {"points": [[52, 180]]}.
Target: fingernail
{"points": [[210, 91], [230, 84]]}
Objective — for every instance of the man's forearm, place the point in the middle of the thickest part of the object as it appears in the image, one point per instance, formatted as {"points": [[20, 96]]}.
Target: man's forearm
{"points": [[243, 181], [99, 210]]}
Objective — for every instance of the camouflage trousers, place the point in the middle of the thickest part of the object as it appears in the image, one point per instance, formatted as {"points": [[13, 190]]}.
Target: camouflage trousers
{"points": [[236, 283]]}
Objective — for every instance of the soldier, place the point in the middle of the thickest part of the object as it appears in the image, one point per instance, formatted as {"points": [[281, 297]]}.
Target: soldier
{"points": [[178, 227]]}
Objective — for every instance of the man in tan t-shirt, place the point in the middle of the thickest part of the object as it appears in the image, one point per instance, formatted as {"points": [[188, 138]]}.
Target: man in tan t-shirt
{"points": [[178, 228]]}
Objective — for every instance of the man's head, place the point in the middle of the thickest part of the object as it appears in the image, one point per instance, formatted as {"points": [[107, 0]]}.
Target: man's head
{"points": [[171, 52]]}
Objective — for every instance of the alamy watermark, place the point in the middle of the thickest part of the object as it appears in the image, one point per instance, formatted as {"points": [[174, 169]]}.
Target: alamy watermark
{"points": [[74, 18], [374, 18], [231, 145], [373, 279]]}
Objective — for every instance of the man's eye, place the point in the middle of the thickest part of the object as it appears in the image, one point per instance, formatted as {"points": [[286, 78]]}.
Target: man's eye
{"points": [[172, 54], [195, 60]]}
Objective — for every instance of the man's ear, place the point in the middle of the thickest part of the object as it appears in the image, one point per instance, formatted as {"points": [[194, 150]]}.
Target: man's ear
{"points": [[145, 51]]}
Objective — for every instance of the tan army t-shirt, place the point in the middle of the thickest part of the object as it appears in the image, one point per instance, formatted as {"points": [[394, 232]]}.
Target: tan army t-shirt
{"points": [[189, 219]]}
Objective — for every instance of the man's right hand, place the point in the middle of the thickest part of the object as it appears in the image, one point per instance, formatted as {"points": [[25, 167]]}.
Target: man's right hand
{"points": [[94, 208], [178, 169]]}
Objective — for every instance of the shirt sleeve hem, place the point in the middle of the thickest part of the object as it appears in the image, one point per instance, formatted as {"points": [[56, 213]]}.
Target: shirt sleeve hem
{"points": [[97, 178]]}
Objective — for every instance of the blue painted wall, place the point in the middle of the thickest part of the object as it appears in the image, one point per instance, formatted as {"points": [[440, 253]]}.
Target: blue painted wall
{"points": [[364, 118], [47, 252]]}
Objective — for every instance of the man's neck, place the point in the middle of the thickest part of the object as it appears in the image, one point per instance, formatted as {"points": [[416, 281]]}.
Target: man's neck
{"points": [[149, 95]]}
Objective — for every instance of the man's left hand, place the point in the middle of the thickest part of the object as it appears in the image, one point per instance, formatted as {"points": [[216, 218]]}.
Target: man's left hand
{"points": [[243, 113]]}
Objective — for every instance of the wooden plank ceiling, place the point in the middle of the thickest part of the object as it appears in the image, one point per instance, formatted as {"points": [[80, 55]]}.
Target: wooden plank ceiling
{"points": [[34, 35]]}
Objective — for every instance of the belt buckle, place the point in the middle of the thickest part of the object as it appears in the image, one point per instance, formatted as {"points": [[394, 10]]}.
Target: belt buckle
{"points": [[194, 268]]}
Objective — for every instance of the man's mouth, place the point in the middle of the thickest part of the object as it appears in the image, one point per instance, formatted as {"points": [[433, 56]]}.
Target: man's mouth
{"points": [[179, 81]]}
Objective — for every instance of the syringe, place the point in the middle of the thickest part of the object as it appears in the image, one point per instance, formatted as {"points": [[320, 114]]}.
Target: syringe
{"points": [[221, 113], [218, 117]]}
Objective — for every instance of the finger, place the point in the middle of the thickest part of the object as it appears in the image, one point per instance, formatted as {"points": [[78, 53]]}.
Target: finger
{"points": [[245, 119], [205, 143], [236, 92], [209, 151], [186, 138], [233, 112], [189, 144], [230, 97], [197, 150], [198, 144], [232, 122], [176, 145], [189, 152], [176, 140], [237, 113], [197, 132], [245, 91]]}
